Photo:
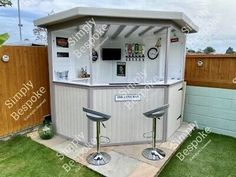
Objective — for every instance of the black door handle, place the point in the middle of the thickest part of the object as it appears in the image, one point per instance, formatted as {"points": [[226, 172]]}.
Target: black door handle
{"points": [[180, 89], [179, 117]]}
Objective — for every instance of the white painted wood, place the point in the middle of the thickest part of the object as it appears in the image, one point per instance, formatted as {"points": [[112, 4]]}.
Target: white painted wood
{"points": [[105, 71], [177, 57], [128, 125], [177, 17], [175, 99], [70, 118], [59, 63]]}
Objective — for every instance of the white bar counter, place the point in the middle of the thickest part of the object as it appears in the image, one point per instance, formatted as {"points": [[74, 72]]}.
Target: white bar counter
{"points": [[127, 124]]}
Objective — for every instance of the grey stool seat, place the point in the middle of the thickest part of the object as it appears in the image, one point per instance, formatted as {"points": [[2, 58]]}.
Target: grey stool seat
{"points": [[96, 116], [155, 115], [154, 153], [98, 158]]}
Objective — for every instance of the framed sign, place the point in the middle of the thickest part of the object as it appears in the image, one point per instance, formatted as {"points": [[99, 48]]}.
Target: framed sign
{"points": [[121, 69], [128, 97], [63, 54], [62, 42], [174, 39]]}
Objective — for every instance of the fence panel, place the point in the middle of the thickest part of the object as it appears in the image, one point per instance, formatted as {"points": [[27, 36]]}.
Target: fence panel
{"points": [[216, 71], [24, 83]]}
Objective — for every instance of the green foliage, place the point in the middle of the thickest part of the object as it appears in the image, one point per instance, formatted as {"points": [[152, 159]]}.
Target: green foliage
{"points": [[230, 50], [4, 3], [3, 38], [209, 50], [191, 51], [40, 34]]}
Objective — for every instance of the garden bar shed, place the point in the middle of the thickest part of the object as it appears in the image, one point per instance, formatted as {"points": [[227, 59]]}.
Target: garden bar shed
{"points": [[118, 62]]}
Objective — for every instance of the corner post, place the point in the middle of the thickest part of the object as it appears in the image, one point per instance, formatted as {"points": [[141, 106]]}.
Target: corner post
{"points": [[167, 54]]}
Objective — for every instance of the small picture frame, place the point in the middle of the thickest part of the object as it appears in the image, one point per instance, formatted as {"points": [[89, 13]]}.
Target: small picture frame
{"points": [[62, 42], [121, 69]]}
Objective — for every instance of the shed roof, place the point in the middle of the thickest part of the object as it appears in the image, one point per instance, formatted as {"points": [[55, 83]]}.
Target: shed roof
{"points": [[178, 18]]}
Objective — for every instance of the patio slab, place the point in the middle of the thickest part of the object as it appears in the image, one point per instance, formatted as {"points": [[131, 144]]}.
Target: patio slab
{"points": [[126, 160]]}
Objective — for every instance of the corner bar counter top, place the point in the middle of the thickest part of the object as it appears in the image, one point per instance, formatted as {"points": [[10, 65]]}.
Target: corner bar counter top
{"points": [[160, 83]]}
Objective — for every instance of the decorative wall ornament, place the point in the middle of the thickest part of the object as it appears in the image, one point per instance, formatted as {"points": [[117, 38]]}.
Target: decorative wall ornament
{"points": [[200, 63], [5, 58], [94, 55]]}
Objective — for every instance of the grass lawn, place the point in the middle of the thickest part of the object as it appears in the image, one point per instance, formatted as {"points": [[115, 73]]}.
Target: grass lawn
{"points": [[217, 159], [21, 157]]}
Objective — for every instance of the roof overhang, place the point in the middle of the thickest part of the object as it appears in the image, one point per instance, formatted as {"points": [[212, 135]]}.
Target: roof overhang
{"points": [[178, 18]]}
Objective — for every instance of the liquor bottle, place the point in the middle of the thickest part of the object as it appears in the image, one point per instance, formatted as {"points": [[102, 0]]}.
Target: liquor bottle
{"points": [[129, 51], [133, 52], [143, 51]]}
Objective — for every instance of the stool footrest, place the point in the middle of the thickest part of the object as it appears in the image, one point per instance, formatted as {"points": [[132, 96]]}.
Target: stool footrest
{"points": [[107, 140], [145, 135]]}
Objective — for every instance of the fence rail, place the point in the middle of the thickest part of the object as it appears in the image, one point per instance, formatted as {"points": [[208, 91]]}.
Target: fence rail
{"points": [[217, 71], [24, 83]]}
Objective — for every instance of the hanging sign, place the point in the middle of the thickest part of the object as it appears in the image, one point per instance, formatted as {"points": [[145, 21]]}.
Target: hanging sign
{"points": [[128, 97]]}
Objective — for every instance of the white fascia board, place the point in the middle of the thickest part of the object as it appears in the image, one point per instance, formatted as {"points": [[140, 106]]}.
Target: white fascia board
{"points": [[78, 12]]}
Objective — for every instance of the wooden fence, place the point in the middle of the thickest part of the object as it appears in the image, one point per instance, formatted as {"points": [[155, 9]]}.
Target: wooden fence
{"points": [[24, 88], [217, 71]]}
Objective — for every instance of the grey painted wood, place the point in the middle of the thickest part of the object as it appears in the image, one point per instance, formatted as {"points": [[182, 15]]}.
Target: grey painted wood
{"points": [[159, 30], [118, 31], [167, 54], [52, 89], [131, 31], [105, 32], [145, 31]]}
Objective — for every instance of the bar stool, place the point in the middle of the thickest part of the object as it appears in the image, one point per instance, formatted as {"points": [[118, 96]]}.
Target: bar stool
{"points": [[154, 153], [98, 158]]}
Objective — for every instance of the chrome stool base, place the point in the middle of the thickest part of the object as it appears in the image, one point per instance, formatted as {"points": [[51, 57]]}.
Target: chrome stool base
{"points": [[98, 158], [153, 154]]}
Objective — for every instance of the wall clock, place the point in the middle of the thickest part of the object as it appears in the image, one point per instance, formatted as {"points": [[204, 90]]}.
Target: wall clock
{"points": [[153, 53]]}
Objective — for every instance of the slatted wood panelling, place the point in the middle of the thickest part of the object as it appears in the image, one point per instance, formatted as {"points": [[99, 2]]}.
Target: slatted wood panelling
{"points": [[26, 65], [128, 124], [70, 120], [217, 71]]}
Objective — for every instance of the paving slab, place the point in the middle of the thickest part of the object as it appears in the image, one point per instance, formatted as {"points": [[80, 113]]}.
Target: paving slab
{"points": [[126, 160], [119, 166]]}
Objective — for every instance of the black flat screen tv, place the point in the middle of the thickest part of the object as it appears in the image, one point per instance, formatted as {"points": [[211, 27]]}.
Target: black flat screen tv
{"points": [[111, 54]]}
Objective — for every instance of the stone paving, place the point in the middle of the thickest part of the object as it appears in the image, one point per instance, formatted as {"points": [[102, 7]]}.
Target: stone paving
{"points": [[126, 160]]}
